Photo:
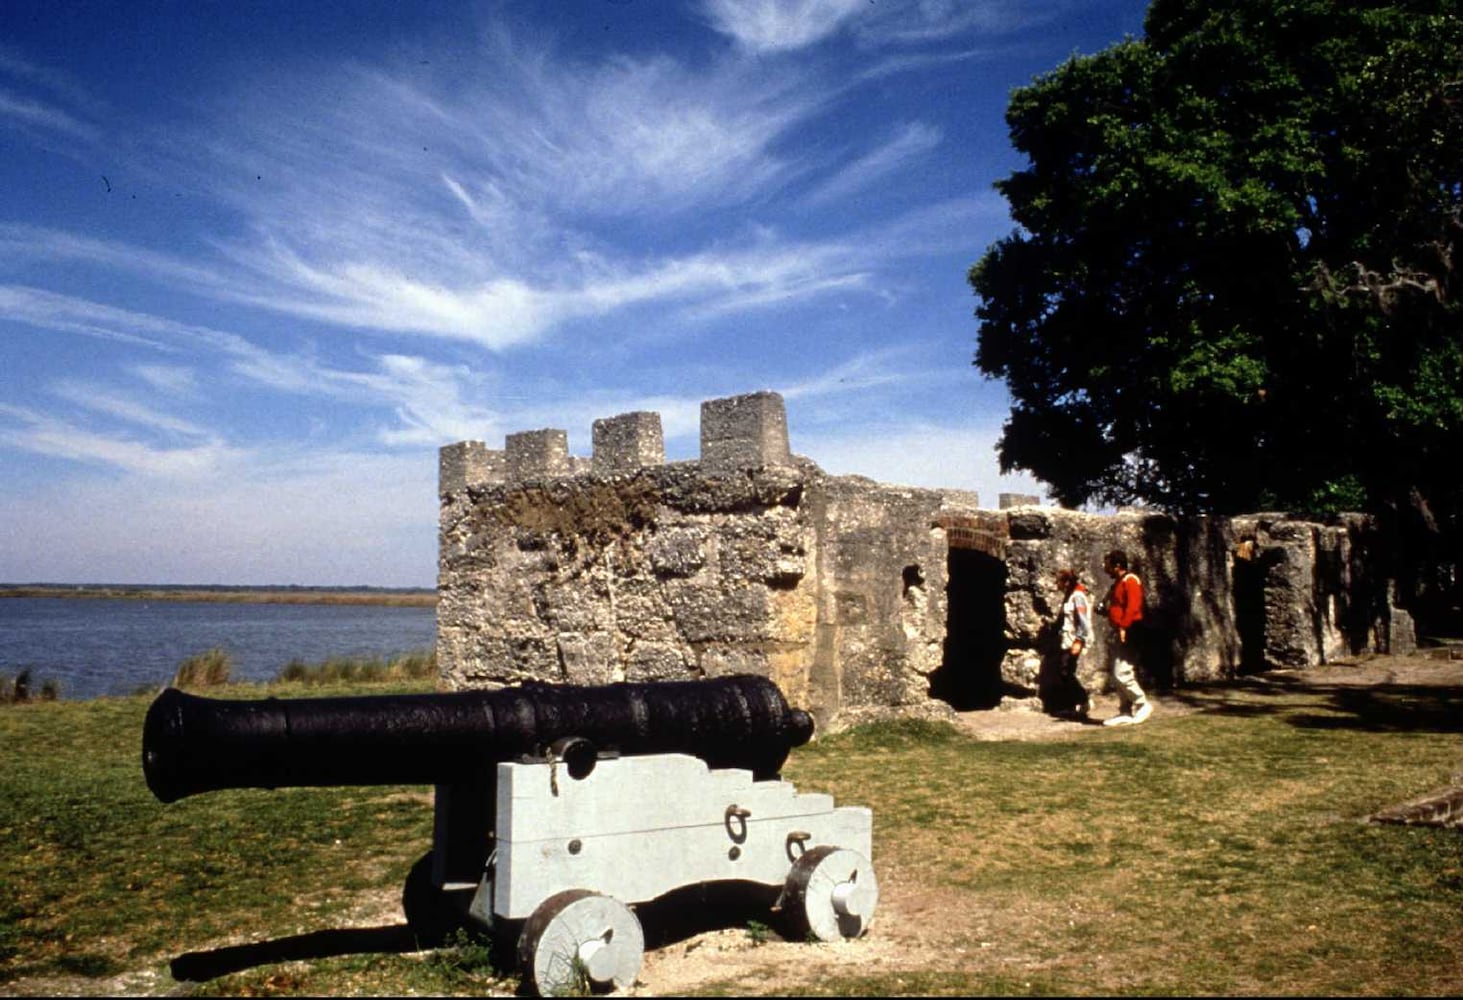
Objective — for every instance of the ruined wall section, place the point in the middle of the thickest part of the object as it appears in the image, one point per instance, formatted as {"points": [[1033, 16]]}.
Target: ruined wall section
{"points": [[1223, 595], [654, 575], [1184, 565], [852, 594], [1315, 592], [880, 564], [748, 560], [635, 570]]}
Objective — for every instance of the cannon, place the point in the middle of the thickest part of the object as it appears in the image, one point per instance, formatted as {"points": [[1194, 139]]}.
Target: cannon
{"points": [[558, 809]]}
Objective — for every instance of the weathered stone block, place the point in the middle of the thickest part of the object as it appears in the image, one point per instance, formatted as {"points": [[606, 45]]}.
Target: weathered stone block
{"points": [[720, 614], [627, 442], [678, 552], [1401, 632], [588, 659], [1009, 500], [1030, 524], [468, 463], [744, 431], [572, 609], [643, 617], [724, 661], [855, 596], [656, 661], [540, 454], [1021, 668]]}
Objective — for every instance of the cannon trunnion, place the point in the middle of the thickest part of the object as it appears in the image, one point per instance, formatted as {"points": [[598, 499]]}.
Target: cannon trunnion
{"points": [[558, 808]]}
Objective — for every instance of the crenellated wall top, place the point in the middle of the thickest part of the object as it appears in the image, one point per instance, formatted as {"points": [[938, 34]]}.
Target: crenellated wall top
{"points": [[737, 432]]}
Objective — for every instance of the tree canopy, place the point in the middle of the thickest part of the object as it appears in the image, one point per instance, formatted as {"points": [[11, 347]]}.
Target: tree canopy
{"points": [[1234, 282]]}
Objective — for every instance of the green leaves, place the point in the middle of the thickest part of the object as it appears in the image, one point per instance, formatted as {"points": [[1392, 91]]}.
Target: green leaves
{"points": [[1237, 251]]}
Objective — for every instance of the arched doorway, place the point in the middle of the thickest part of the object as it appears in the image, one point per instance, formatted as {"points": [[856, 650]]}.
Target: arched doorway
{"points": [[969, 676]]}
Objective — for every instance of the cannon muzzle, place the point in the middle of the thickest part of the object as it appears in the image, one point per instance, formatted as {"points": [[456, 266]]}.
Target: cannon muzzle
{"points": [[192, 744]]}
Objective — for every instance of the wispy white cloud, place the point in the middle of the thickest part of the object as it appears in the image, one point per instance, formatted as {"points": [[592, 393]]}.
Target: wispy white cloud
{"points": [[46, 104], [32, 114], [429, 399], [44, 434], [70, 314], [855, 375], [494, 208], [109, 402], [172, 380], [780, 25], [39, 243], [608, 139], [482, 209], [50, 311], [58, 83], [917, 61], [922, 22], [910, 143]]}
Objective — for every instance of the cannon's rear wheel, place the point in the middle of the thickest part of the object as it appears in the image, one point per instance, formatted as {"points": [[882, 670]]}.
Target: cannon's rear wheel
{"points": [[579, 941], [831, 894]]}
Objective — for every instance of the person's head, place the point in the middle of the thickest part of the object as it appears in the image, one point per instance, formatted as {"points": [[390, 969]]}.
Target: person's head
{"points": [[1066, 580], [1116, 563]]}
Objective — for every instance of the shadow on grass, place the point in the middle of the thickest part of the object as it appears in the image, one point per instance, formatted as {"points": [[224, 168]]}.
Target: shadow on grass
{"points": [[1307, 703], [677, 916], [199, 966]]}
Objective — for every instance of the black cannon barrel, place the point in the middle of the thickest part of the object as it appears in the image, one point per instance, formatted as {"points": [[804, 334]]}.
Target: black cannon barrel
{"points": [[192, 744]]}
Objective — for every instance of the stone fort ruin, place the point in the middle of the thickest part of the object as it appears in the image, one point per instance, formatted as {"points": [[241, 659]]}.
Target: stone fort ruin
{"points": [[858, 598]]}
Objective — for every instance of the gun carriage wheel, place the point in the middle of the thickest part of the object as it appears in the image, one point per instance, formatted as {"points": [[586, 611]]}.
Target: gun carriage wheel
{"points": [[579, 941], [831, 894]]}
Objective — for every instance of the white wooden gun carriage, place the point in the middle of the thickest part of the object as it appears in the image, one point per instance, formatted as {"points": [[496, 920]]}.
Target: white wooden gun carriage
{"points": [[575, 854], [559, 810]]}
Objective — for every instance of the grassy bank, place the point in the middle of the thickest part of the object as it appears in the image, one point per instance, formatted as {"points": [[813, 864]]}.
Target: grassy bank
{"points": [[1221, 852], [382, 596]]}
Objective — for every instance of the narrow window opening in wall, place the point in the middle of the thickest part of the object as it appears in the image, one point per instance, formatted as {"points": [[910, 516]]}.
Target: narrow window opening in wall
{"points": [[913, 578], [969, 676]]}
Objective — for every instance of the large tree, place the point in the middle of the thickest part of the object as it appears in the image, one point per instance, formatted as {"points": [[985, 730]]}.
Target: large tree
{"points": [[1234, 285]]}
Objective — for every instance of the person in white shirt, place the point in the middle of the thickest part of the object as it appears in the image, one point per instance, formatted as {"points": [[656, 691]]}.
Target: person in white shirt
{"points": [[1075, 637]]}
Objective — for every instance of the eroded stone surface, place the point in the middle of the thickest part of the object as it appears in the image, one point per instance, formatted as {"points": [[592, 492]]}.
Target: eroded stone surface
{"points": [[857, 597]]}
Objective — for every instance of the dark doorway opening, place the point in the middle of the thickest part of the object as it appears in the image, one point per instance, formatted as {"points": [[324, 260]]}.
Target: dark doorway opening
{"points": [[969, 676], [1249, 608]]}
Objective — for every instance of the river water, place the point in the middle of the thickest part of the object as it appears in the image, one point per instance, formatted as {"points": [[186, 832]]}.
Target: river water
{"points": [[95, 647]]}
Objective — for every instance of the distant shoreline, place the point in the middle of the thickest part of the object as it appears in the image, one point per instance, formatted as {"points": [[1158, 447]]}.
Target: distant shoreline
{"points": [[390, 597]]}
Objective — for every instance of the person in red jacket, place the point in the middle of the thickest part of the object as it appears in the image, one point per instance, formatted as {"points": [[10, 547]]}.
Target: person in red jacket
{"points": [[1124, 606]]}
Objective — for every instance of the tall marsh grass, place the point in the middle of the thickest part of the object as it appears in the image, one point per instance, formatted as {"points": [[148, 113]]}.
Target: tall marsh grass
{"points": [[210, 668], [21, 688], [355, 669]]}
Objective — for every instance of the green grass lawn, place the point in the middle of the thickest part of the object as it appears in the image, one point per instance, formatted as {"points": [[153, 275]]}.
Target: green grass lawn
{"points": [[1220, 852]]}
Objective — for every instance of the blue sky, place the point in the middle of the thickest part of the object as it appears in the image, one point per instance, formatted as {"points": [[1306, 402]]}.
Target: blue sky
{"points": [[259, 261]]}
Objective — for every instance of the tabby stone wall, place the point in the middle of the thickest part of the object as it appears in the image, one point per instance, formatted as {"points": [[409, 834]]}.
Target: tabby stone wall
{"points": [[621, 566]]}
